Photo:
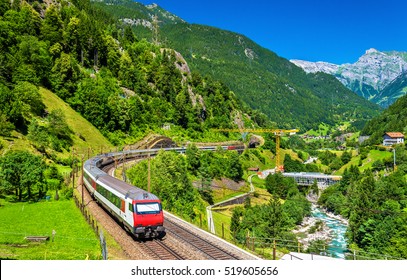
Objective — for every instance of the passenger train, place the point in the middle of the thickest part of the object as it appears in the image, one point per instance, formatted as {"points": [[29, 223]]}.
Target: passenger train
{"points": [[139, 211]]}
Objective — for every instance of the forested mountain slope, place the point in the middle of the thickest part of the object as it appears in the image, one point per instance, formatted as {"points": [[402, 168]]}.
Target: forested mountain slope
{"points": [[393, 91], [123, 85], [265, 81]]}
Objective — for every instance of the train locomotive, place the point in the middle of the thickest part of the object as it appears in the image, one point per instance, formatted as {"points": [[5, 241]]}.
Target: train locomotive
{"points": [[139, 211]]}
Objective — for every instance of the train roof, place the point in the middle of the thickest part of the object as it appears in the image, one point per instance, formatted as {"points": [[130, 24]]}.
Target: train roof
{"points": [[93, 170], [126, 189]]}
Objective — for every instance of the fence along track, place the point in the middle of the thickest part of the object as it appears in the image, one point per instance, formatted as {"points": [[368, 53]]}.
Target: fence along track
{"points": [[211, 250]]}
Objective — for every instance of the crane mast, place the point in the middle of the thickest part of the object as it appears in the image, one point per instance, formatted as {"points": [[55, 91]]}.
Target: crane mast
{"points": [[277, 132]]}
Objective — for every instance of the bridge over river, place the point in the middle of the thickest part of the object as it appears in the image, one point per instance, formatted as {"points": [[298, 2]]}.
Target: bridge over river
{"points": [[307, 178]]}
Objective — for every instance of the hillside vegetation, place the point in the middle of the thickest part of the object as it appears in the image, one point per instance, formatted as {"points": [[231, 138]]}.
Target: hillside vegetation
{"points": [[85, 134], [72, 77], [393, 91], [123, 85], [393, 119], [266, 82]]}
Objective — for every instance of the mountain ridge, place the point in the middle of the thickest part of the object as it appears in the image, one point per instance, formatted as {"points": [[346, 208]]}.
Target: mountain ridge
{"points": [[368, 76]]}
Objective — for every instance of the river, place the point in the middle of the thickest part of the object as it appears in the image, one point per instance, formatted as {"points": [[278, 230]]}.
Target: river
{"points": [[337, 229]]}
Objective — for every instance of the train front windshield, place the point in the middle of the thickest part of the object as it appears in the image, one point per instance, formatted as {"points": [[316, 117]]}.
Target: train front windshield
{"points": [[148, 208]]}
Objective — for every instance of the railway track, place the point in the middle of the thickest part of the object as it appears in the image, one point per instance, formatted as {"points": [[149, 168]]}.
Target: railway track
{"points": [[135, 249], [165, 249], [206, 247], [160, 250]]}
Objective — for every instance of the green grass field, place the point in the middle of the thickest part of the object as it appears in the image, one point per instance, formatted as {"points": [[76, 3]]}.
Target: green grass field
{"points": [[367, 163], [373, 156], [74, 238], [323, 129], [263, 159], [222, 218]]}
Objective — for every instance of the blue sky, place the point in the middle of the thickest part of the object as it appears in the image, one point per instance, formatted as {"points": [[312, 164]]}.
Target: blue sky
{"points": [[336, 31]]}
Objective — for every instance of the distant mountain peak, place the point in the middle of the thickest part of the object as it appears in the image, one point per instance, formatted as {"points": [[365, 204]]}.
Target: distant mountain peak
{"points": [[371, 50], [373, 71], [152, 6]]}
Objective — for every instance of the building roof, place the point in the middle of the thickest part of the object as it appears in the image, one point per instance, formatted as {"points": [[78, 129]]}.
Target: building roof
{"points": [[395, 134]]}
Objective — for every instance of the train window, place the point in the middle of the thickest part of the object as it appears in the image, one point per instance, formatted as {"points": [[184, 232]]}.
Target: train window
{"points": [[148, 208], [131, 207], [109, 196]]}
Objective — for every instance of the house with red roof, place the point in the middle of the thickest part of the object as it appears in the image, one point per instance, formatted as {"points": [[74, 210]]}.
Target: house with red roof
{"points": [[393, 138]]}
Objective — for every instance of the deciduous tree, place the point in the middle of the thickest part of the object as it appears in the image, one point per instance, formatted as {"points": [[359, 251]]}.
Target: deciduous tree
{"points": [[21, 173]]}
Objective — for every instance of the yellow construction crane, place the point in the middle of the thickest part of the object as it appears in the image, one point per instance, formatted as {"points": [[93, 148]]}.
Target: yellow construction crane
{"points": [[277, 132]]}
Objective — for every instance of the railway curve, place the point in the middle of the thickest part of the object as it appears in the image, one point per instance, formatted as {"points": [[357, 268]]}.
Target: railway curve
{"points": [[179, 240]]}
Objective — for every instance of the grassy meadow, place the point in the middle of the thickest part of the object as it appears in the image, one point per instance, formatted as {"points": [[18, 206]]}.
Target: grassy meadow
{"points": [[74, 239]]}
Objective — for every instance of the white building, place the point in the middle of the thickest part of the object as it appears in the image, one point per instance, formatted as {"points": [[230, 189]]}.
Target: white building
{"points": [[393, 138]]}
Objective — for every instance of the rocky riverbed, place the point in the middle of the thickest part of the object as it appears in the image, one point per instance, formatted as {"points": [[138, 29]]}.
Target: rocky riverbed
{"points": [[322, 225]]}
